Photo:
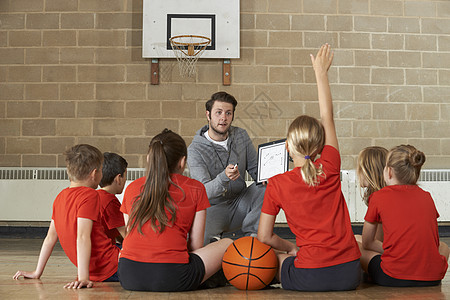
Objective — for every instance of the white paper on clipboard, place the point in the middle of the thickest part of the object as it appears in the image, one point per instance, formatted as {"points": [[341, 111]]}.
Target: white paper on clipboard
{"points": [[273, 159]]}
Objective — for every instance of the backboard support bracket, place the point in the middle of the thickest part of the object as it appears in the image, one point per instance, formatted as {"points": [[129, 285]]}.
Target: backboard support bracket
{"points": [[226, 73], [154, 71]]}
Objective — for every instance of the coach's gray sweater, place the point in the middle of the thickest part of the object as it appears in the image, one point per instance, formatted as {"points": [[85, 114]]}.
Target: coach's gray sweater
{"points": [[207, 162]]}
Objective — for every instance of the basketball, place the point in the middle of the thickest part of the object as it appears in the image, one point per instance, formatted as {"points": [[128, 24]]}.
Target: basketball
{"points": [[249, 264]]}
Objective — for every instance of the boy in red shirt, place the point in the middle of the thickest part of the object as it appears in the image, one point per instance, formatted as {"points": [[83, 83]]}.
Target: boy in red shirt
{"points": [[76, 223], [113, 181]]}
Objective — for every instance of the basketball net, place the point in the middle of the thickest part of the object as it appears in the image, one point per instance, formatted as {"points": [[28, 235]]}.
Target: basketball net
{"points": [[188, 49]]}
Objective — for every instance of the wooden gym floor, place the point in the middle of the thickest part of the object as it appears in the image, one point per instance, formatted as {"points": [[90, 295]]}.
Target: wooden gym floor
{"points": [[22, 254]]}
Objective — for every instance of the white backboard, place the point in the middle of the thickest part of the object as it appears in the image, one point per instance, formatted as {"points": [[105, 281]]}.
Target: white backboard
{"points": [[215, 19]]}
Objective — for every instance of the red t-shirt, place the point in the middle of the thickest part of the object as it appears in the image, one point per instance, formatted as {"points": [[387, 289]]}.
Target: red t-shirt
{"points": [[83, 202], [411, 238], [318, 216], [170, 246], [112, 217]]}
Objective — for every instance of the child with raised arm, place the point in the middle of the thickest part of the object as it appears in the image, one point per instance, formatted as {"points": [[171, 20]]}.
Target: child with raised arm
{"points": [[369, 169], [76, 223], [163, 249], [112, 183], [410, 254], [326, 254]]}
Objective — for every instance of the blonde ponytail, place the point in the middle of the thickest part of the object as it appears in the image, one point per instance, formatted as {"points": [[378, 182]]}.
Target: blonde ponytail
{"points": [[306, 137]]}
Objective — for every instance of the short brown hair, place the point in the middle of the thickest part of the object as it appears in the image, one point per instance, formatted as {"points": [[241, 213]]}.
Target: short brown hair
{"points": [[406, 162], [221, 97], [81, 160]]}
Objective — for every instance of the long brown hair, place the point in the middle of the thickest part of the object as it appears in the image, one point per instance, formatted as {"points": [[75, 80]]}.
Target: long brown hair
{"points": [[154, 203], [406, 162], [306, 137], [370, 166]]}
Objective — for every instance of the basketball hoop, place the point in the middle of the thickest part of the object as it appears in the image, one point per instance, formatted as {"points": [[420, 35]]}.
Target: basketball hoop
{"points": [[188, 49]]}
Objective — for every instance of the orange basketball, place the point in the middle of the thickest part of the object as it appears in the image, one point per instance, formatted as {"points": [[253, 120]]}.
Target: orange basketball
{"points": [[249, 264]]}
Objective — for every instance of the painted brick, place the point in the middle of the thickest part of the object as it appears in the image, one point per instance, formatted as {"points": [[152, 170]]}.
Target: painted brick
{"points": [[101, 73], [308, 22], [383, 111], [405, 94], [371, 93], [371, 58], [285, 75], [58, 109], [247, 21], [143, 109], [436, 94], [73, 127], [405, 59], [179, 109], [316, 39], [249, 74], [254, 6], [420, 8], [272, 22], [77, 55], [272, 56], [323, 7], [23, 109], [388, 41], [354, 75], [370, 24], [25, 39], [101, 109], [60, 38], [436, 60], [435, 26], [26, 6], [118, 20], [38, 127], [77, 20], [155, 126], [77, 91], [285, 6], [353, 6], [46, 56], [11, 91], [421, 77], [436, 129], [387, 76], [422, 112], [120, 91], [270, 93], [386, 8], [444, 77], [12, 56], [101, 5], [23, 145], [253, 39], [339, 23], [101, 38], [354, 40], [420, 42], [42, 21], [118, 127], [12, 21], [197, 92], [285, 39], [24, 74], [58, 5], [38, 160], [404, 25], [41, 91], [354, 110], [10, 127], [59, 73]]}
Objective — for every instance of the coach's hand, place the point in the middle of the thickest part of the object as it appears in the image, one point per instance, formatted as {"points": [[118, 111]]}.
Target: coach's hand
{"points": [[232, 172]]}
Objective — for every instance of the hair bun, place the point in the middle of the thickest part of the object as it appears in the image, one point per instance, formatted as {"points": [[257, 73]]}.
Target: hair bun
{"points": [[417, 158]]}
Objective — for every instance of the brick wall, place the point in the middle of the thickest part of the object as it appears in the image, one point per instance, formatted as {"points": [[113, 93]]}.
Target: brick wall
{"points": [[71, 72]]}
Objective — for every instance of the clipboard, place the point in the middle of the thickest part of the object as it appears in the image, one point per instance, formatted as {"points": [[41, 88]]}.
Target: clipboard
{"points": [[273, 159]]}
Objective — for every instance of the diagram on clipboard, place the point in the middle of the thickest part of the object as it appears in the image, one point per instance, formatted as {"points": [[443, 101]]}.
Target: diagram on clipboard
{"points": [[273, 159]]}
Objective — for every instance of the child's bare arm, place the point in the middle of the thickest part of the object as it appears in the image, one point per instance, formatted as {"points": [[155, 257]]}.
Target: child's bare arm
{"points": [[266, 235], [369, 241], [84, 229], [321, 64], [197, 232], [46, 250]]}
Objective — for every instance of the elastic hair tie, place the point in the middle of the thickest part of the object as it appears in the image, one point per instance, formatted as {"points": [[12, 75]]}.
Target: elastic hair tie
{"points": [[307, 157]]}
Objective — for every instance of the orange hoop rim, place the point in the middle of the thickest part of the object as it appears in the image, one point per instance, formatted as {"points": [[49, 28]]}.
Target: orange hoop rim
{"points": [[177, 43]]}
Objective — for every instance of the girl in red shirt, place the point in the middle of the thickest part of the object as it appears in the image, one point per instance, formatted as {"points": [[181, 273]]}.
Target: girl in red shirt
{"points": [[326, 255], [163, 249], [410, 253], [369, 169]]}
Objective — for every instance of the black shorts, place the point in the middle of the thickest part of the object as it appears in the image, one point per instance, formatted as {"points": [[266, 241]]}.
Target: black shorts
{"points": [[379, 277], [342, 277], [161, 277]]}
